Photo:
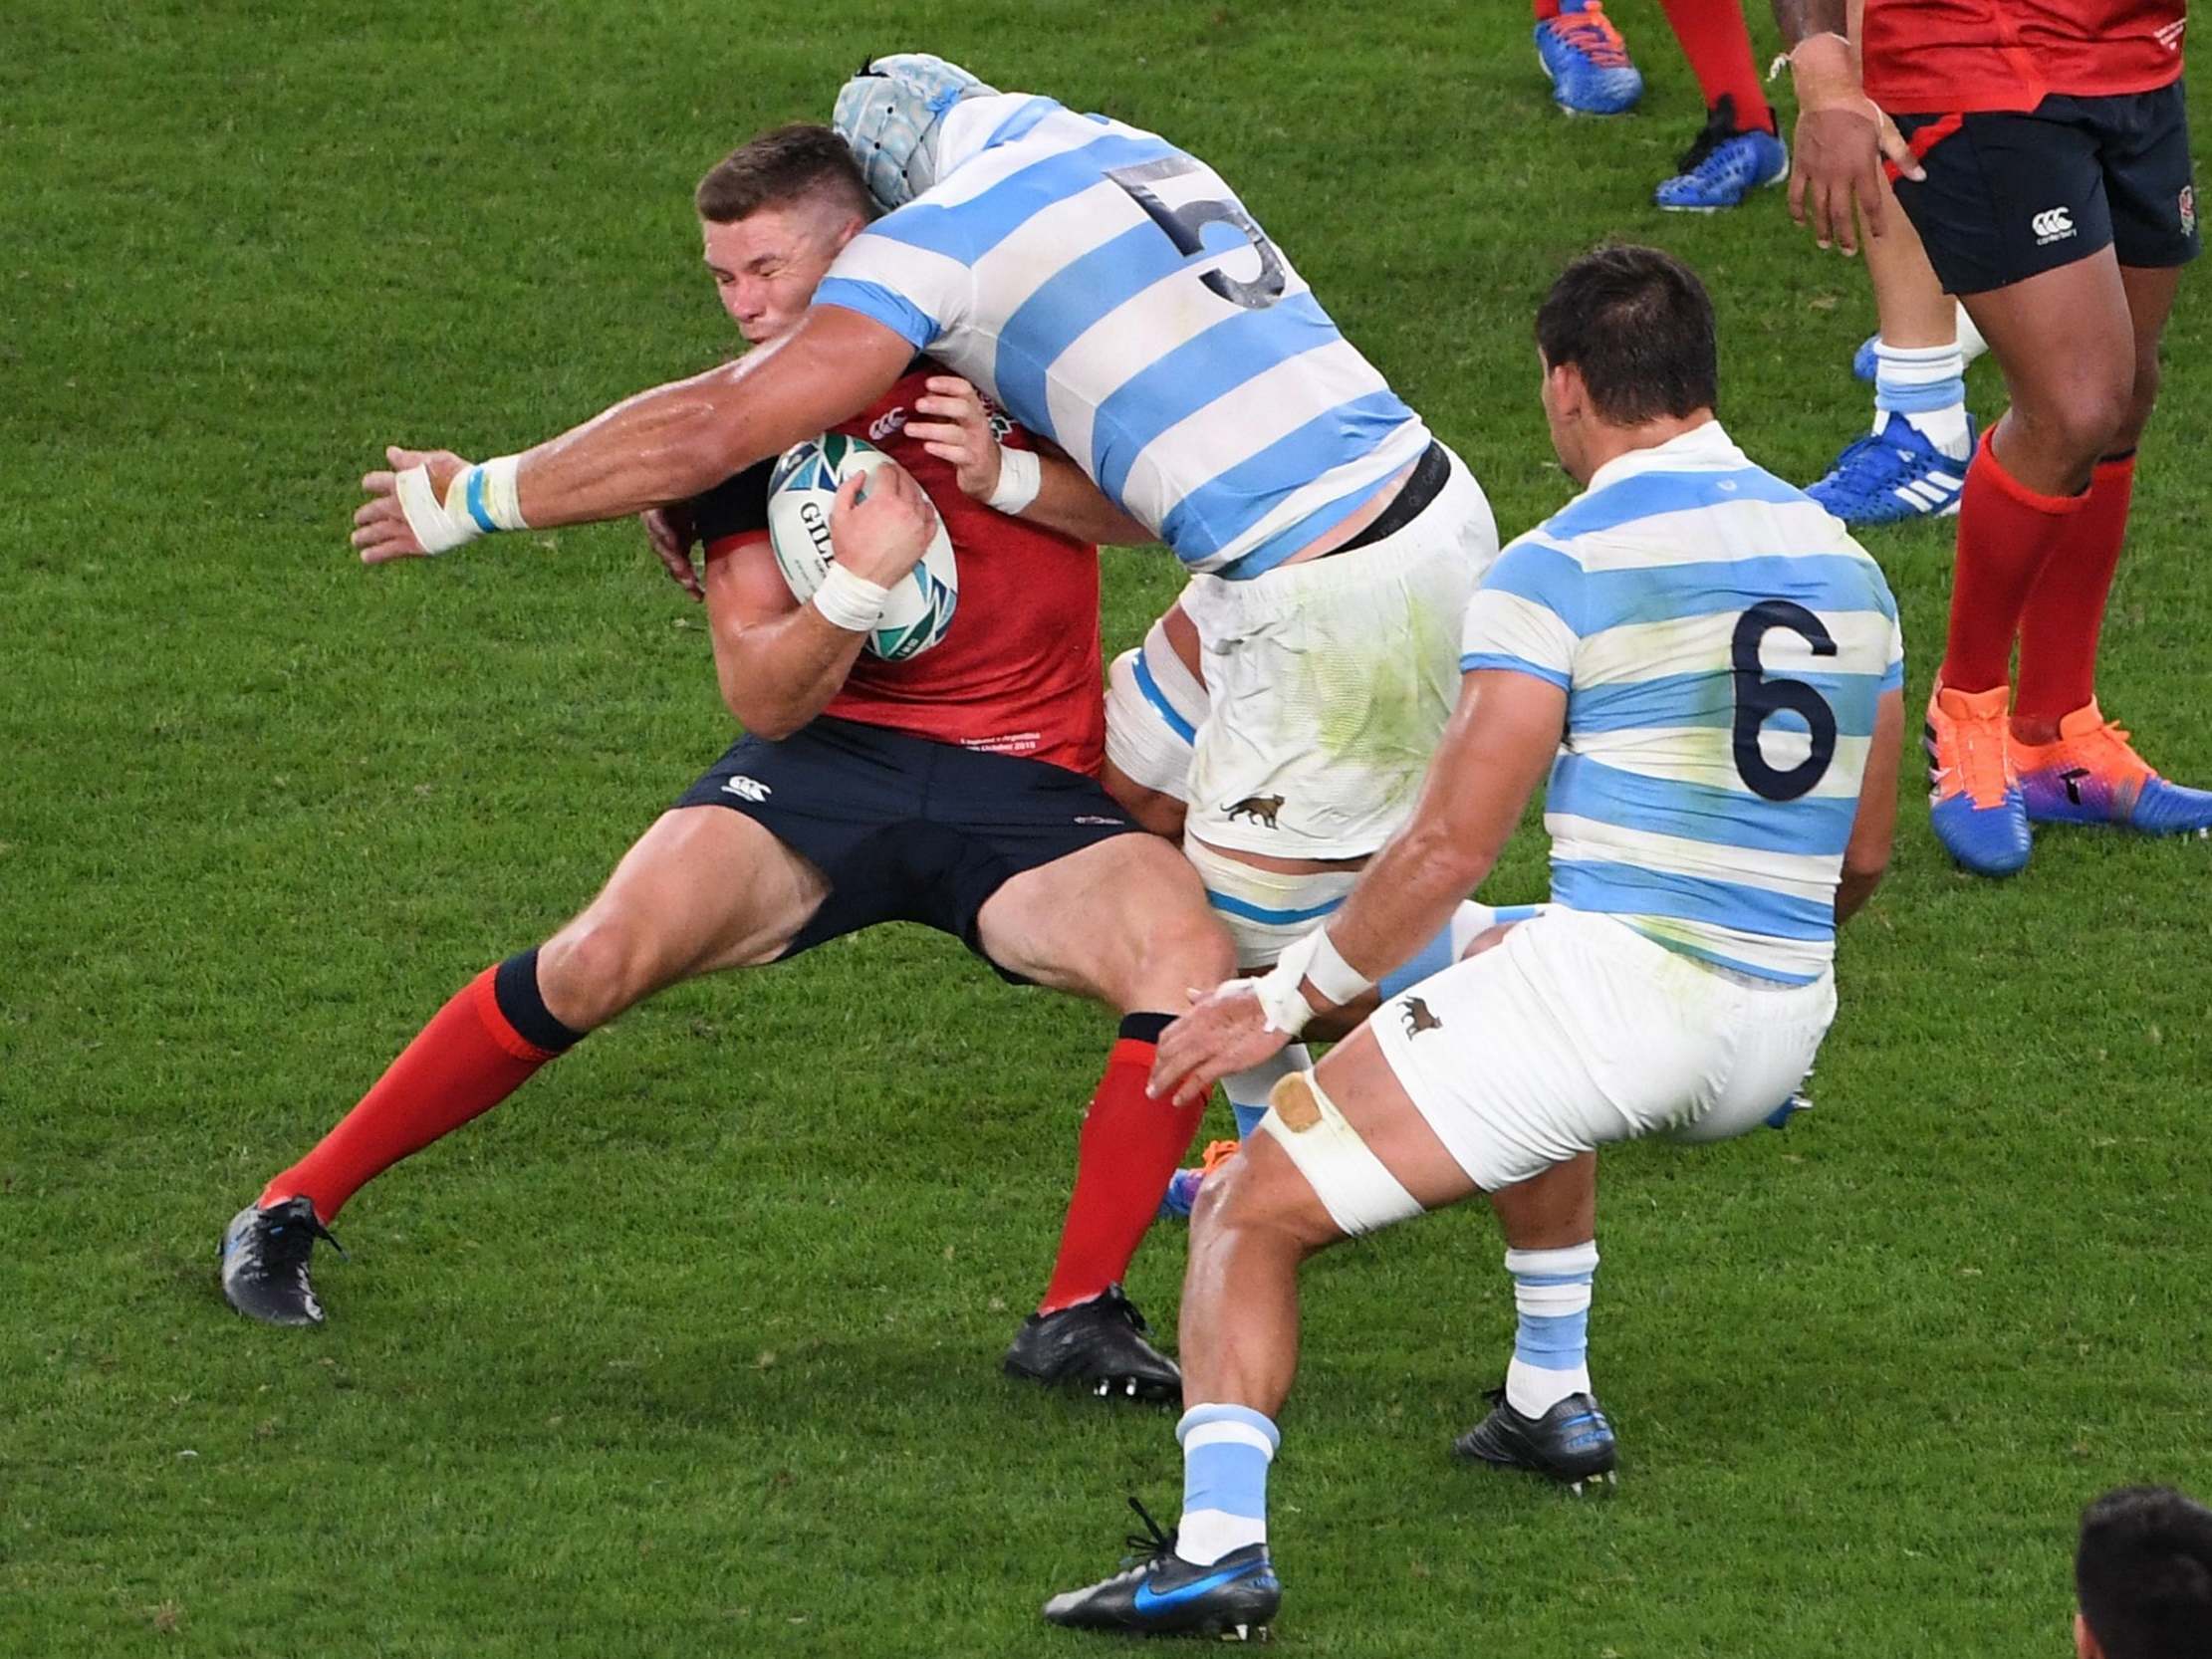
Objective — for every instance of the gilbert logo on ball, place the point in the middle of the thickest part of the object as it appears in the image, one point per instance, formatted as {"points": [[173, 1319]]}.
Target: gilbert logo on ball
{"points": [[801, 491]]}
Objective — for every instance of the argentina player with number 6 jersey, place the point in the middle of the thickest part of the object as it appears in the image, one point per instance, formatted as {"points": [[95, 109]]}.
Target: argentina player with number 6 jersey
{"points": [[1709, 671]]}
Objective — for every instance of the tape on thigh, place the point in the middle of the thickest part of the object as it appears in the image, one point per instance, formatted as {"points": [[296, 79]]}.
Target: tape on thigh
{"points": [[1148, 732], [1264, 910], [1359, 1195]]}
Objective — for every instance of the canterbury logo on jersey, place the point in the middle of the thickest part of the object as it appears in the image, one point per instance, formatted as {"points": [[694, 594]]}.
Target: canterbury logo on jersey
{"points": [[747, 789], [2052, 224]]}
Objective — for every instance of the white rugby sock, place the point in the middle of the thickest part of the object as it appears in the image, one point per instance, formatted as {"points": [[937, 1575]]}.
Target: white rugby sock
{"points": [[1550, 1347], [1927, 386]]}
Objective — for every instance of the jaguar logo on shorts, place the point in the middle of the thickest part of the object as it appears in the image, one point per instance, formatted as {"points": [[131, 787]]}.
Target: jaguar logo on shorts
{"points": [[1260, 809], [2052, 224], [2188, 205], [747, 789], [1419, 1019]]}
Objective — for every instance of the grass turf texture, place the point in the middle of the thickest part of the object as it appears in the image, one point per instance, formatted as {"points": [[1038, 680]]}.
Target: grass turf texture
{"points": [[691, 1347]]}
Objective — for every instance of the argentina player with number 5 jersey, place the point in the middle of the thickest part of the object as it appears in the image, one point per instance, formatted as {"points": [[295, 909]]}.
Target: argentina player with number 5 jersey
{"points": [[1112, 293], [1117, 298]]}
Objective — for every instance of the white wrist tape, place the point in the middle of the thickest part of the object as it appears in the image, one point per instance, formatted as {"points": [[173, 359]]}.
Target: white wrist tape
{"points": [[850, 601], [480, 500], [1021, 476], [1315, 958]]}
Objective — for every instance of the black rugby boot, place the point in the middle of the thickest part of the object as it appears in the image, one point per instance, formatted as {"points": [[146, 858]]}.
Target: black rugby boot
{"points": [[1099, 1343], [1571, 1443], [264, 1261]]}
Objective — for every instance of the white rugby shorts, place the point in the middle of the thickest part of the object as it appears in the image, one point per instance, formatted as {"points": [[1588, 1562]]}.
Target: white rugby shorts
{"points": [[1576, 1031], [1328, 683]]}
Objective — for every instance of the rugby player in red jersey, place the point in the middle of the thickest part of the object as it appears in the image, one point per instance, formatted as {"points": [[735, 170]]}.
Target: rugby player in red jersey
{"points": [[2055, 196], [957, 788]]}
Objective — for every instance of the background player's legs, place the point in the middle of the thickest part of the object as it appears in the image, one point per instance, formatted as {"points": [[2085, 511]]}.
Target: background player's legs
{"points": [[2074, 765], [704, 889], [2065, 609], [1913, 464], [1125, 922], [2067, 346]]}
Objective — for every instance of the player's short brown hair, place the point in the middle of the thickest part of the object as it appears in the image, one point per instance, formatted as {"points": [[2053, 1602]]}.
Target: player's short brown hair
{"points": [[1638, 324], [777, 168]]}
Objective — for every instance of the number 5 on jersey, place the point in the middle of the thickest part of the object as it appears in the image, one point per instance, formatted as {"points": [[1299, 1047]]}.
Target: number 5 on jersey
{"points": [[1187, 224]]}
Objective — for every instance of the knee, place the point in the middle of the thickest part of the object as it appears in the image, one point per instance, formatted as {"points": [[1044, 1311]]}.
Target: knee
{"points": [[1189, 949], [2141, 401], [2088, 419], [595, 968], [1258, 1191]]}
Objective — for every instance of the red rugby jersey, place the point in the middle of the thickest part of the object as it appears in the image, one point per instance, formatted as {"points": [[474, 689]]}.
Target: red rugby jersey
{"points": [[1935, 57], [1018, 671]]}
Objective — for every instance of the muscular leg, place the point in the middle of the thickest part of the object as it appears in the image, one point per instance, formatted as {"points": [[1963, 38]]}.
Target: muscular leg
{"points": [[1258, 1221], [703, 889], [2067, 347], [2065, 614], [1125, 922]]}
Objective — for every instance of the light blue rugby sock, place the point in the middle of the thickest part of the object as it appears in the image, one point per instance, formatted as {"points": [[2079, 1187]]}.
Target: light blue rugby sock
{"points": [[1226, 1451]]}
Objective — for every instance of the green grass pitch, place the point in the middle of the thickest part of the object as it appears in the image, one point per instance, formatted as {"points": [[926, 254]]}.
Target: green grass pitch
{"points": [[691, 1347]]}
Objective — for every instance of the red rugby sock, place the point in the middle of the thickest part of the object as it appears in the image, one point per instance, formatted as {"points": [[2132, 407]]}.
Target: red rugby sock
{"points": [[1718, 46], [2007, 533], [2065, 609], [465, 1062], [1128, 1147]]}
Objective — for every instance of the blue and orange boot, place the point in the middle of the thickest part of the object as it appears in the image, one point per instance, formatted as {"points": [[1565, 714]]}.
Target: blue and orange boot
{"points": [[1587, 61], [2090, 773], [1974, 797]]}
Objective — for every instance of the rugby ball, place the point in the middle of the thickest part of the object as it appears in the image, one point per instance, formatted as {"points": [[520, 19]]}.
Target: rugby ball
{"points": [[801, 491]]}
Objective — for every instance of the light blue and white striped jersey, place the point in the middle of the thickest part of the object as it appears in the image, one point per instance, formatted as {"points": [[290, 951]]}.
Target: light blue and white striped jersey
{"points": [[1113, 296], [1722, 643]]}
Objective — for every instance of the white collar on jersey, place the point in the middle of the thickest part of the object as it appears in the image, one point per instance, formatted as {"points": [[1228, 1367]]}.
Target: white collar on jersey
{"points": [[969, 123], [1706, 449]]}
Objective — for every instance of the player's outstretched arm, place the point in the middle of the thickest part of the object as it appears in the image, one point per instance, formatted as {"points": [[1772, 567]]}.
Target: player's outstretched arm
{"points": [[1500, 743], [779, 662], [1866, 857], [651, 450], [1042, 486]]}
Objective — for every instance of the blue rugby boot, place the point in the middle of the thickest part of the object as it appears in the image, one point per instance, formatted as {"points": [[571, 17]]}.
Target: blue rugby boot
{"points": [[1724, 165], [1573, 1443], [1587, 61], [1159, 1594], [1892, 475], [1865, 365], [2090, 773]]}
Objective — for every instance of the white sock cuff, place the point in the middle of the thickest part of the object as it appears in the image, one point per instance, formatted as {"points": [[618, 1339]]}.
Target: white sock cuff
{"points": [[1217, 1424], [1251, 1086], [1918, 366], [1574, 1261]]}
